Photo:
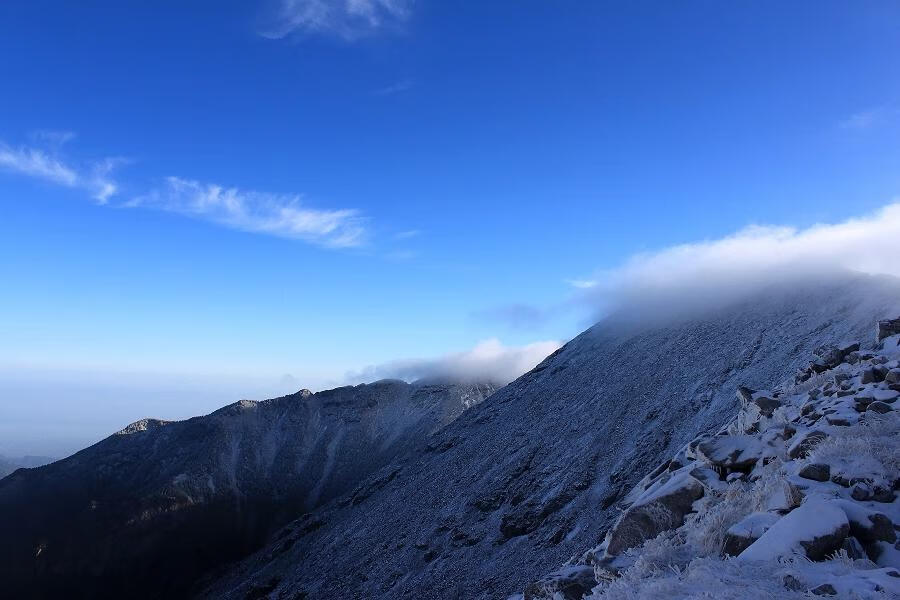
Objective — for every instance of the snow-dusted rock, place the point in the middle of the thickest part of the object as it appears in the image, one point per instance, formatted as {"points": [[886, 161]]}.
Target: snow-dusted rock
{"points": [[805, 442], [741, 535], [816, 472], [815, 530], [887, 328], [569, 583], [659, 510], [732, 452]]}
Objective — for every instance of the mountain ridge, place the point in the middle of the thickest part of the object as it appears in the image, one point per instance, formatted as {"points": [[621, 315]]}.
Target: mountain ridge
{"points": [[507, 487]]}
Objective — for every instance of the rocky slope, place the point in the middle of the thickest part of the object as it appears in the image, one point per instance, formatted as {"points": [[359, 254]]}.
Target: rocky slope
{"points": [[534, 475], [808, 471], [150, 508]]}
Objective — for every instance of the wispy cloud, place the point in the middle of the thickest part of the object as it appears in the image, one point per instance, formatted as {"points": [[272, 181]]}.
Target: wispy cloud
{"points": [[390, 90], [489, 361], [582, 284], [870, 119], [257, 212], [47, 164], [347, 19], [409, 233]]}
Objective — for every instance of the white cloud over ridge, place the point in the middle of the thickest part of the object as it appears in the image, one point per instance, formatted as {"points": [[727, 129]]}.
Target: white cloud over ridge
{"points": [[488, 361], [46, 164], [347, 19], [712, 270], [257, 212]]}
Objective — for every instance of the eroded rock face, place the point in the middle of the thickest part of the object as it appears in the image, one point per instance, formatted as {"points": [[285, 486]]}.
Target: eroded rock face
{"points": [[658, 511]]}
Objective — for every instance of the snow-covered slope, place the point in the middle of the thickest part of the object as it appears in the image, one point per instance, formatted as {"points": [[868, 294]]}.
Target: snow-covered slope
{"points": [[154, 505], [797, 495], [533, 475]]}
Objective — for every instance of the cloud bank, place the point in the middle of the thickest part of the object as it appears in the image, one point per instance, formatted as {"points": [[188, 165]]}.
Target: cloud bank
{"points": [[257, 212], [46, 164], [713, 270], [489, 361], [347, 19]]}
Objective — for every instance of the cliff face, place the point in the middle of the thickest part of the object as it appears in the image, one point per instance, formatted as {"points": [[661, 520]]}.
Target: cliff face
{"points": [[152, 507], [536, 474]]}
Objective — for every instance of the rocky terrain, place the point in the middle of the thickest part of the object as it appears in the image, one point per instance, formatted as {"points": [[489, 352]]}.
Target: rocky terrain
{"points": [[147, 510], [539, 472], [795, 496]]}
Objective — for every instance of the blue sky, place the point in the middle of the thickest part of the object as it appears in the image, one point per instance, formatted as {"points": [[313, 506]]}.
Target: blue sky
{"points": [[195, 194]]}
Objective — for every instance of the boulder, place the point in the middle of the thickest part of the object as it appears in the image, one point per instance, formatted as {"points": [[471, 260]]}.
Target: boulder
{"points": [[569, 583], [660, 509], [815, 529], [853, 548], [879, 407], [826, 589], [742, 534], [816, 472], [893, 376], [867, 525], [731, 452], [887, 328], [805, 442]]}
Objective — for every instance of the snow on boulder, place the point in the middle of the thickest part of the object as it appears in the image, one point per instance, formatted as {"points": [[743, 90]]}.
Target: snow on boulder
{"points": [[887, 328], [732, 452], [742, 534], [659, 509], [804, 443], [815, 529], [569, 583]]}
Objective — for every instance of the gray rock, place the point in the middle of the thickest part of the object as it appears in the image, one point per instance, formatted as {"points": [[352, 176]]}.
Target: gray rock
{"points": [[887, 328], [572, 583], [866, 525], [742, 534], [816, 528], [738, 452], [816, 472], [879, 407], [853, 548], [660, 510], [861, 491], [893, 376], [826, 589], [805, 443]]}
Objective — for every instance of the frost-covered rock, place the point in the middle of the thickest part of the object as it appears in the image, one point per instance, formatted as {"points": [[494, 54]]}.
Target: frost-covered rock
{"points": [[741, 535], [815, 530], [569, 583], [658, 510]]}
